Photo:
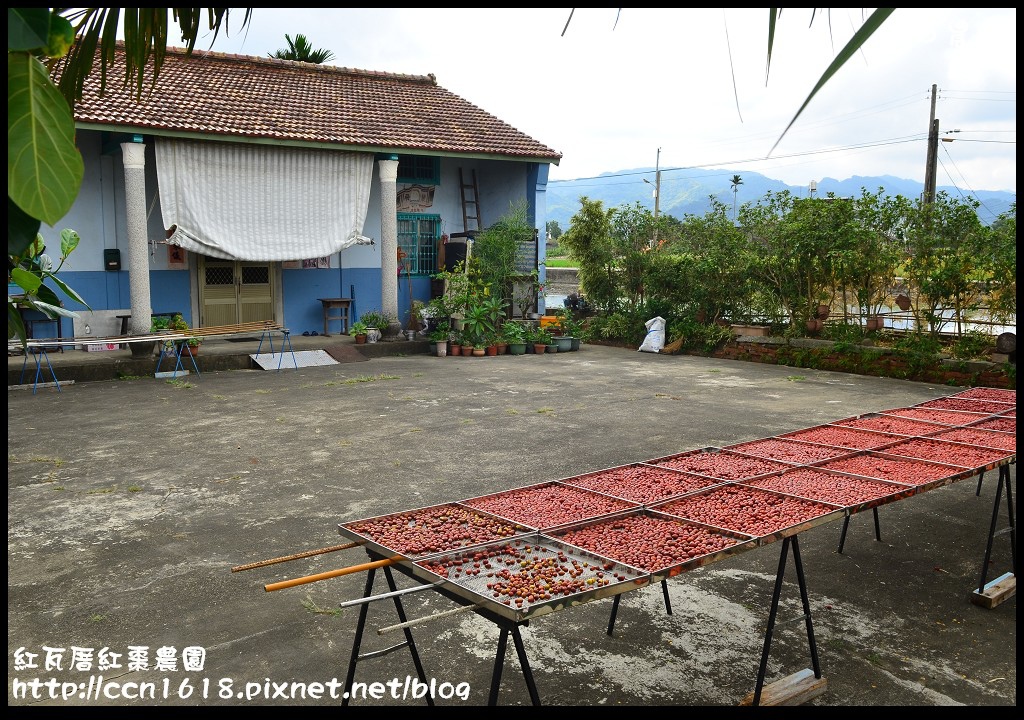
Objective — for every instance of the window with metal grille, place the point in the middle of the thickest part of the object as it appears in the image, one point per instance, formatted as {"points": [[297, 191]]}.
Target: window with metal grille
{"points": [[417, 239], [220, 275], [419, 169]]}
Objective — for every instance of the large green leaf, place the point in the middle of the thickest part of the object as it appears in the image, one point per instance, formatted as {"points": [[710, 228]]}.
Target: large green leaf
{"points": [[44, 168], [874, 22], [22, 229], [27, 281], [27, 28]]}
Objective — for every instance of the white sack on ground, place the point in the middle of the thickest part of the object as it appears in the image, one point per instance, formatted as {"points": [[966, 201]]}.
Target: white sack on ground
{"points": [[655, 339]]}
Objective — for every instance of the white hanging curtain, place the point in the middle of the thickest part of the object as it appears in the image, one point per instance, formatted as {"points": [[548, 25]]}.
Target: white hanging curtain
{"points": [[256, 202]]}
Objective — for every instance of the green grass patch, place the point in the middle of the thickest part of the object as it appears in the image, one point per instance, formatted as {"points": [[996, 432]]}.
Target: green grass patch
{"points": [[103, 491]]}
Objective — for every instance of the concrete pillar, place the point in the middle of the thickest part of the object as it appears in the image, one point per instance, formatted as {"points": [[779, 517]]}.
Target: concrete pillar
{"points": [[134, 159], [389, 243]]}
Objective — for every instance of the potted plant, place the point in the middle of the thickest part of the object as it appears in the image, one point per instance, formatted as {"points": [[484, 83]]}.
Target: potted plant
{"points": [[439, 336], [378, 321], [573, 329], [191, 345], [359, 329], [514, 333], [478, 321], [160, 323], [541, 338], [490, 342], [467, 342], [452, 302]]}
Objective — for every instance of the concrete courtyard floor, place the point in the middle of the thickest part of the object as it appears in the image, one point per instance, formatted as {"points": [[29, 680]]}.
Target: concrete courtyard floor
{"points": [[129, 501]]}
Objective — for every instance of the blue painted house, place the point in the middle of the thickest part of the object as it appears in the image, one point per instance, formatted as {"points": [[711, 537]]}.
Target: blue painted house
{"points": [[243, 188]]}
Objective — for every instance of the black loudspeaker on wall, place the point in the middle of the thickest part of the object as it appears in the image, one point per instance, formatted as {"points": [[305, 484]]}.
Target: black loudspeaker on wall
{"points": [[112, 259]]}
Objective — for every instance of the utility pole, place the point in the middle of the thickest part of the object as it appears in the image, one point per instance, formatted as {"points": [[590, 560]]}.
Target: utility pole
{"points": [[933, 151], [657, 195]]}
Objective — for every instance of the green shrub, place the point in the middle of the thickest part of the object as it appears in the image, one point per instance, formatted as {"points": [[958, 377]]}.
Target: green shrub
{"points": [[843, 332], [972, 344]]}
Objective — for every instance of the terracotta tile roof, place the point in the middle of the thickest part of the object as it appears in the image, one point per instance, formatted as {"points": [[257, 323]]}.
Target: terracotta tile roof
{"points": [[211, 94]]}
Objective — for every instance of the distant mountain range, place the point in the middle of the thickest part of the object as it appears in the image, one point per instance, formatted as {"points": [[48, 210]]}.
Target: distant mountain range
{"points": [[689, 195]]}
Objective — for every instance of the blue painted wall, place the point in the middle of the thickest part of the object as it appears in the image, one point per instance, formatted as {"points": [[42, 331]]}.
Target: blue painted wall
{"points": [[98, 215]]}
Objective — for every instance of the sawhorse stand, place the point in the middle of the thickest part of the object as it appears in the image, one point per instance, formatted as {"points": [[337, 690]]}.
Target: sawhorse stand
{"points": [[40, 356], [806, 684], [506, 627], [175, 347], [286, 339], [990, 594]]}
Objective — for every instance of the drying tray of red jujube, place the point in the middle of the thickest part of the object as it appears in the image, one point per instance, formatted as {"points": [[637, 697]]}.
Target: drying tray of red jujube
{"points": [[788, 451], [1012, 412], [984, 393], [954, 418], [924, 474], [842, 437], [548, 504], [430, 530], [660, 544], [642, 483], [529, 576], [975, 436], [764, 514], [890, 424], [977, 459], [721, 464], [998, 423], [966, 405], [853, 492]]}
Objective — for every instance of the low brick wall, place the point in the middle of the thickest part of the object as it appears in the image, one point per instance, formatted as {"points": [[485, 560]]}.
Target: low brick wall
{"points": [[863, 360]]}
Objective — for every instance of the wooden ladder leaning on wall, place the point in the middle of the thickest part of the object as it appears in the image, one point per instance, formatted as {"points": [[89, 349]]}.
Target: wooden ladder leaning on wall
{"points": [[470, 202]]}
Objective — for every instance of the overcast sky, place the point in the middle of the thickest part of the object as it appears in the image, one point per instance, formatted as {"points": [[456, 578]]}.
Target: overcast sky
{"points": [[617, 87]]}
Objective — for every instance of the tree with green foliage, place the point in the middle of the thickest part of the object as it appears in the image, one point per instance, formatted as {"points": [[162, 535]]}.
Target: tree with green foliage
{"points": [[798, 241], [302, 51], [44, 166], [718, 283], [867, 263], [949, 253], [589, 242], [735, 185], [632, 229], [1001, 283], [494, 259], [554, 231]]}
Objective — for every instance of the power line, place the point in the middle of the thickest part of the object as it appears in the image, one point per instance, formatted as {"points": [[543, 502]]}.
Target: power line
{"points": [[969, 188], [859, 146]]}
